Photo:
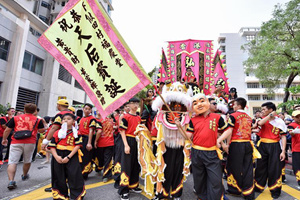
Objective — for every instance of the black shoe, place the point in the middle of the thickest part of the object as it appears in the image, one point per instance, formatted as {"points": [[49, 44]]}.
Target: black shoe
{"points": [[136, 190], [275, 196], [48, 189], [25, 177], [125, 196], [116, 184], [12, 185]]}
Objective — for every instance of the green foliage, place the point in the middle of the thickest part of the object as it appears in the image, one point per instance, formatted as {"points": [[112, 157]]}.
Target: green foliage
{"points": [[142, 93], [3, 108], [289, 105], [274, 55]]}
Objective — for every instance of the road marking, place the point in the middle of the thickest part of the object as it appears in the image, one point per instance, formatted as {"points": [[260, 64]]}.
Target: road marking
{"points": [[265, 195], [291, 191], [41, 194]]}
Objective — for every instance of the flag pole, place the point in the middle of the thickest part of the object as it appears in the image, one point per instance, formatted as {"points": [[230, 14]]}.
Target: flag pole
{"points": [[180, 128]]}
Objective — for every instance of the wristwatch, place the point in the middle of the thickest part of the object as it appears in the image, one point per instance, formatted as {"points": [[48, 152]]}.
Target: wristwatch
{"points": [[271, 115], [68, 157]]}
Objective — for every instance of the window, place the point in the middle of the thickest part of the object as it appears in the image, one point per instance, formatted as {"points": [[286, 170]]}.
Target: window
{"points": [[77, 85], [253, 97], [268, 97], [295, 97], [44, 19], [255, 109], [26, 96], [33, 63], [64, 75], [252, 85], [63, 3], [46, 5], [4, 48], [280, 97]]}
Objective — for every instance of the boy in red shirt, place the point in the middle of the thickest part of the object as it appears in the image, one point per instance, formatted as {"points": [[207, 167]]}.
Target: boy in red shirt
{"points": [[129, 161], [104, 146], [240, 158], [269, 166], [65, 167], [87, 127], [294, 130]]}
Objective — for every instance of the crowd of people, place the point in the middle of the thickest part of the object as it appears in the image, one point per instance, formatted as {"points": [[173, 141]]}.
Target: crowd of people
{"points": [[80, 143]]}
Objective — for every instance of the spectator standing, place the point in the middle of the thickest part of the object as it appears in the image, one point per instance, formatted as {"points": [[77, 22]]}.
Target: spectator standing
{"points": [[24, 146], [294, 130], [3, 121]]}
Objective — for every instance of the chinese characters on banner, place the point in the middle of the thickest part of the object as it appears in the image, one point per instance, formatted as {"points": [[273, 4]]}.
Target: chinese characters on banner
{"points": [[197, 55], [163, 68], [219, 73], [84, 40]]}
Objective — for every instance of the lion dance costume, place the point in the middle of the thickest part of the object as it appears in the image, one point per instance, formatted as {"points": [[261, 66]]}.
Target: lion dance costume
{"points": [[170, 166]]}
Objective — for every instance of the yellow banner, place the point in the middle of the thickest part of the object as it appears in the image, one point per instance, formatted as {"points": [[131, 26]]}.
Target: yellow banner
{"points": [[85, 42]]}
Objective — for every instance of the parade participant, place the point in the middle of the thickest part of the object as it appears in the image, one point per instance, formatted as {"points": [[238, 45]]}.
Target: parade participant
{"points": [[206, 165], [173, 149], [294, 130], [3, 121], [104, 146], [269, 167], [189, 76], [213, 105], [219, 91], [46, 151], [129, 162], [22, 145], [87, 126], [240, 158], [61, 105], [119, 148], [65, 167]]}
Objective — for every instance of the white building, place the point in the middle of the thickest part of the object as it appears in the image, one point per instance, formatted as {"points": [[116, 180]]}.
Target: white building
{"points": [[27, 72], [247, 85]]}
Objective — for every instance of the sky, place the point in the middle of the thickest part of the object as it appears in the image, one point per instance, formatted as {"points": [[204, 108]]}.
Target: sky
{"points": [[146, 26]]}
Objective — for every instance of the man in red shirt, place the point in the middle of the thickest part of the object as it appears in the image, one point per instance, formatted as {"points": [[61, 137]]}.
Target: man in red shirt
{"points": [[104, 146], [119, 147], [294, 130], [3, 121], [87, 126], [269, 166], [206, 164], [240, 159], [25, 146], [129, 161], [189, 76]]}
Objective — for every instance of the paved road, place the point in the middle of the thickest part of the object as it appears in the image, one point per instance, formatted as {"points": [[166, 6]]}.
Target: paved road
{"points": [[97, 190]]}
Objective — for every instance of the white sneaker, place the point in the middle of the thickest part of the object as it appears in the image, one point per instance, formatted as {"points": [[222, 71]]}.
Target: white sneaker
{"points": [[45, 162], [125, 196]]}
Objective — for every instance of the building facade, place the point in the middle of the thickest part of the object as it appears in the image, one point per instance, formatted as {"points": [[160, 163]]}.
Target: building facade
{"points": [[247, 85], [27, 72]]}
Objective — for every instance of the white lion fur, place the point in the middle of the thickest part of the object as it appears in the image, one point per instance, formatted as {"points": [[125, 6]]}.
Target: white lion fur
{"points": [[170, 96]]}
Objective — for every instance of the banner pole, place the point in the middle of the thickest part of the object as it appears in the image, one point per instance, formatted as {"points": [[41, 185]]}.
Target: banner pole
{"points": [[180, 128]]}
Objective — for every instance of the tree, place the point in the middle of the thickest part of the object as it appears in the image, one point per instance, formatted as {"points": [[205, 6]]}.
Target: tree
{"points": [[274, 55], [3, 108]]}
